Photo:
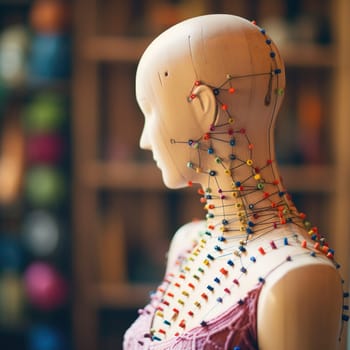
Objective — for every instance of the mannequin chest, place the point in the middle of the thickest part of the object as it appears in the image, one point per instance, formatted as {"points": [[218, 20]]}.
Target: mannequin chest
{"points": [[213, 277]]}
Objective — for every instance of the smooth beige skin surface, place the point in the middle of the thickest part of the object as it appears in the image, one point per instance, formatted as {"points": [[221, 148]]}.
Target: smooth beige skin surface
{"points": [[300, 305], [299, 309]]}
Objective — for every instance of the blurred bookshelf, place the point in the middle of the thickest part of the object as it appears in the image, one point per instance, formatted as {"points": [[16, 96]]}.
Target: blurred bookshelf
{"points": [[35, 175], [117, 259]]}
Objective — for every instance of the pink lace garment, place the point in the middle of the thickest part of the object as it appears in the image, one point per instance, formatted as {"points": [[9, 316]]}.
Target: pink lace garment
{"points": [[236, 329]]}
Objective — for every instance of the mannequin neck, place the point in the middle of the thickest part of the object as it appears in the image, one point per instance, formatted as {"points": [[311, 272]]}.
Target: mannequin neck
{"points": [[241, 188], [253, 204]]}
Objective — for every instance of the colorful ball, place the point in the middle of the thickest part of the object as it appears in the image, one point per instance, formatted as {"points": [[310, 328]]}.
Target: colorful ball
{"points": [[50, 16], [46, 113], [45, 148], [11, 253], [12, 302], [45, 287], [14, 44], [50, 58], [41, 233], [45, 337], [45, 186]]}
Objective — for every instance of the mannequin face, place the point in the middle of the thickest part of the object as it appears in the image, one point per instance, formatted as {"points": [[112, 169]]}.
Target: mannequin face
{"points": [[153, 138], [158, 130]]}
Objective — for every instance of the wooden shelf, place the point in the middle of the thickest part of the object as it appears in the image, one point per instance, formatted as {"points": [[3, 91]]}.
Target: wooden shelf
{"points": [[122, 295], [308, 55], [123, 175], [129, 49], [146, 176], [115, 49], [308, 178]]}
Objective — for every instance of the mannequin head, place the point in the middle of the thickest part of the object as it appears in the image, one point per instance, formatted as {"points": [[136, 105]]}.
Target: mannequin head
{"points": [[213, 73]]}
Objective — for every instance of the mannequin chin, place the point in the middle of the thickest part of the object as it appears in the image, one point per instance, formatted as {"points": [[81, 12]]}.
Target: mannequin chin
{"points": [[152, 139]]}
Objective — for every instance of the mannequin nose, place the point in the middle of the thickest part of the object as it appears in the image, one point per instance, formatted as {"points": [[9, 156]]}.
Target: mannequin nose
{"points": [[144, 140]]}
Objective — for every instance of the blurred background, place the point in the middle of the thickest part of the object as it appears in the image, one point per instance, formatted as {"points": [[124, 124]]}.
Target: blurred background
{"points": [[85, 220]]}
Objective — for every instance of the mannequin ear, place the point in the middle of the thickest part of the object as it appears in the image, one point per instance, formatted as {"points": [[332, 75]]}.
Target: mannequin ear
{"points": [[204, 106]]}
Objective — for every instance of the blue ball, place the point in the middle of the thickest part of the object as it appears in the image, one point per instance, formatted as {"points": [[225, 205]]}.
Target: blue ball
{"points": [[45, 337], [50, 57], [11, 253]]}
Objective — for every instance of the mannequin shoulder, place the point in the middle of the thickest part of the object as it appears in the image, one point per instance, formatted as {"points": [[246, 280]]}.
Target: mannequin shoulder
{"points": [[186, 236], [301, 308], [184, 239]]}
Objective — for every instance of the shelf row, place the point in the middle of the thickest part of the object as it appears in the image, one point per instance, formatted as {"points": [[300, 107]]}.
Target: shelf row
{"points": [[145, 176], [129, 49]]}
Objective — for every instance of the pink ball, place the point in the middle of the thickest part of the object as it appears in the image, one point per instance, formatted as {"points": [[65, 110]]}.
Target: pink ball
{"points": [[45, 287], [45, 148]]}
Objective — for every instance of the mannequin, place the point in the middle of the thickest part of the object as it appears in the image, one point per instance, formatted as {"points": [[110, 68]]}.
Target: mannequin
{"points": [[255, 274]]}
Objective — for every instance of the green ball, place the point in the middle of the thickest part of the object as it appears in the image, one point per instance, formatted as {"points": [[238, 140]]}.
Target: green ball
{"points": [[45, 186], [47, 112]]}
